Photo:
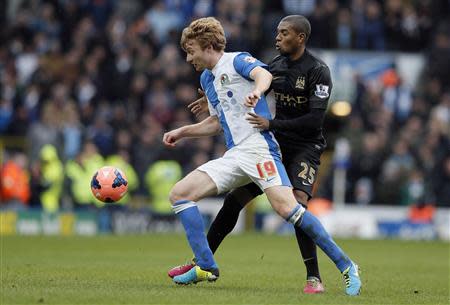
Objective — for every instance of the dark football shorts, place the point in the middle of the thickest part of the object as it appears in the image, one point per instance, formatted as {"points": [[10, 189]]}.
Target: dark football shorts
{"points": [[302, 165]]}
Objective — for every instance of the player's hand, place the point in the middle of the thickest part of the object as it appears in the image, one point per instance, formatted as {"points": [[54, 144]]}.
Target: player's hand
{"points": [[171, 138], [200, 106], [257, 121], [252, 98]]}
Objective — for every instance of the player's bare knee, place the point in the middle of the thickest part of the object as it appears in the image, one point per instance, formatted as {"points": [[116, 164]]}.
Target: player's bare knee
{"points": [[178, 192], [173, 196]]}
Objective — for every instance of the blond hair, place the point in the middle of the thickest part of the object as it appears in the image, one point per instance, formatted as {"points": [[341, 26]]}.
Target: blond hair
{"points": [[206, 31]]}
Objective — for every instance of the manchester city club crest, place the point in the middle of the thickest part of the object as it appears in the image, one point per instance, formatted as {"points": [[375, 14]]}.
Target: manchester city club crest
{"points": [[300, 83]]}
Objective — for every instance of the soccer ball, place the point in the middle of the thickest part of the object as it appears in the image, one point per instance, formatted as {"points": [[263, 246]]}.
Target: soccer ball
{"points": [[109, 184]]}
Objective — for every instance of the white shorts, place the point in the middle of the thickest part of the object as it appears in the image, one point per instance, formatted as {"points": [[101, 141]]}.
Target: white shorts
{"points": [[251, 161]]}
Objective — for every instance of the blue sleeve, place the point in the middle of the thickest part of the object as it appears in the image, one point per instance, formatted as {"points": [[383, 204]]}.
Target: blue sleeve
{"points": [[206, 82], [244, 63], [203, 78]]}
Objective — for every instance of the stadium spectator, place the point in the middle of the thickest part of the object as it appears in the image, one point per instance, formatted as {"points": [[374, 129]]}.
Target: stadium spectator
{"points": [[45, 131], [344, 30], [439, 57], [370, 30], [160, 177], [163, 18], [414, 189], [72, 132], [14, 183], [79, 172], [364, 165], [441, 182], [52, 177]]}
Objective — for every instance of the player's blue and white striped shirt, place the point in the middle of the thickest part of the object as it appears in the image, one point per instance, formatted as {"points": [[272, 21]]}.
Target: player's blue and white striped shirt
{"points": [[225, 87]]}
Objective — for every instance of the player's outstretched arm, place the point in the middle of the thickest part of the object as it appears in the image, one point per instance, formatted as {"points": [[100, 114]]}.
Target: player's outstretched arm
{"points": [[262, 79], [208, 127]]}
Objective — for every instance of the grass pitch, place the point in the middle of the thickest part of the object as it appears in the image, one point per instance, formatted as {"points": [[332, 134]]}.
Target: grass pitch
{"points": [[255, 269]]}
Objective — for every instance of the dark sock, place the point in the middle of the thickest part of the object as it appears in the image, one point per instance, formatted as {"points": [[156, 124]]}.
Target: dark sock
{"points": [[228, 215], [309, 253], [224, 222]]}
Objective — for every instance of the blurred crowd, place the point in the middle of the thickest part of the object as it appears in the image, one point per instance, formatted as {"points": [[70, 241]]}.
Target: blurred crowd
{"points": [[92, 82]]}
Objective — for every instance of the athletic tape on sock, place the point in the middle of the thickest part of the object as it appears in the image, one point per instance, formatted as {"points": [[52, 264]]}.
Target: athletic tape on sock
{"points": [[182, 205], [296, 214]]}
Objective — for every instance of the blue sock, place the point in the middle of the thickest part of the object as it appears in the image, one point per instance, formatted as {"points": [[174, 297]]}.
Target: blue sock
{"points": [[312, 226], [195, 232]]}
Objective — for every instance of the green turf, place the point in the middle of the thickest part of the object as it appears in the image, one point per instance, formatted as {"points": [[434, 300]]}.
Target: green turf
{"points": [[255, 269]]}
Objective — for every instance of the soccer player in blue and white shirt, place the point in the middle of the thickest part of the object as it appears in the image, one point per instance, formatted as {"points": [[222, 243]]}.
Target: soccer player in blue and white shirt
{"points": [[234, 84]]}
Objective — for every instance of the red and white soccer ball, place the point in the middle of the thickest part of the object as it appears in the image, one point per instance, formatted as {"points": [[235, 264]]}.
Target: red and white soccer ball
{"points": [[109, 184]]}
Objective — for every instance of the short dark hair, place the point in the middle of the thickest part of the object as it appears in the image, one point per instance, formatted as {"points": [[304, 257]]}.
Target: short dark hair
{"points": [[299, 23]]}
